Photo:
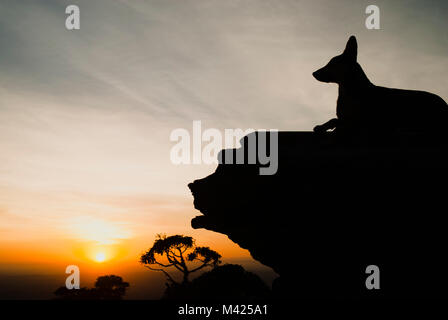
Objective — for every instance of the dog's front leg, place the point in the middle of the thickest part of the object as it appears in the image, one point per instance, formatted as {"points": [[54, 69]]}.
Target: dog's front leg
{"points": [[331, 124]]}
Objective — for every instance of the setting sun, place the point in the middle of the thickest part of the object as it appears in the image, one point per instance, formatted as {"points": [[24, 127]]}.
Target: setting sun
{"points": [[100, 257]]}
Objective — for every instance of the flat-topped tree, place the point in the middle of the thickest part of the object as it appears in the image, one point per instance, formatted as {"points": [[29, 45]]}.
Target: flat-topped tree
{"points": [[181, 253]]}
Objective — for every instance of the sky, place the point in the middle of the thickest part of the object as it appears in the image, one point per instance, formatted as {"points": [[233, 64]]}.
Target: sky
{"points": [[86, 115]]}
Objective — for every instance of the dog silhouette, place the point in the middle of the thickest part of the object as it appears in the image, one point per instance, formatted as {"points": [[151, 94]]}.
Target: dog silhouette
{"points": [[365, 107]]}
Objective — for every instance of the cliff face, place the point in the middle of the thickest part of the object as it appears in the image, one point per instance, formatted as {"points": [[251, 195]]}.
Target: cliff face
{"points": [[333, 208]]}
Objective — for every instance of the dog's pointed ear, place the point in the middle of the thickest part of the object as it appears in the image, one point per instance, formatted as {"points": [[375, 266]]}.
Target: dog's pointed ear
{"points": [[351, 49]]}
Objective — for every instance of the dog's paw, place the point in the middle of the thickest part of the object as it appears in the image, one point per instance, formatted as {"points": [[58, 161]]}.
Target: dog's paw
{"points": [[319, 129]]}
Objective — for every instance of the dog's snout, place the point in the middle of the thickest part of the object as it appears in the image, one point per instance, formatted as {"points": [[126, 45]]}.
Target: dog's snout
{"points": [[321, 75], [317, 75]]}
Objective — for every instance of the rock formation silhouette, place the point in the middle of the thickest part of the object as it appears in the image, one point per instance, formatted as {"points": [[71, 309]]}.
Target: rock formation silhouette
{"points": [[334, 207], [226, 282]]}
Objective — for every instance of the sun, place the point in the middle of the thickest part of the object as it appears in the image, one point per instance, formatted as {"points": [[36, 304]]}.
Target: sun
{"points": [[100, 257]]}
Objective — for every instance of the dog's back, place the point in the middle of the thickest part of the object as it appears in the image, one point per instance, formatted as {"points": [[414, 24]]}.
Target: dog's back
{"points": [[401, 110]]}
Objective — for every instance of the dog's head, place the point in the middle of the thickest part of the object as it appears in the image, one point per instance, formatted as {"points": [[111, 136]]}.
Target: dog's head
{"points": [[340, 67]]}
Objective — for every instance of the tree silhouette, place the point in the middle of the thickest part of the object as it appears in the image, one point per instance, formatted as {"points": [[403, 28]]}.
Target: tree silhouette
{"points": [[108, 287], [178, 250]]}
